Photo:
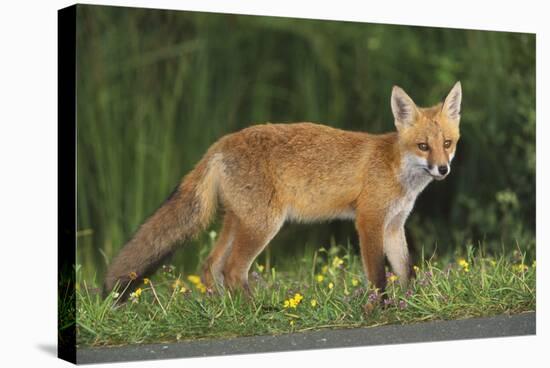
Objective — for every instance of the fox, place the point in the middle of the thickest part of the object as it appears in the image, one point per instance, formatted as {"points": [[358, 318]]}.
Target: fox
{"points": [[267, 174]]}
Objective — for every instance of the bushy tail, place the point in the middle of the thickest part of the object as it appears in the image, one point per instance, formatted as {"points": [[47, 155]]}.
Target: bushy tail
{"points": [[185, 213]]}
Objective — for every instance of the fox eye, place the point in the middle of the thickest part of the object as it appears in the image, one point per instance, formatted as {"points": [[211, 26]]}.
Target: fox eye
{"points": [[423, 146], [447, 143]]}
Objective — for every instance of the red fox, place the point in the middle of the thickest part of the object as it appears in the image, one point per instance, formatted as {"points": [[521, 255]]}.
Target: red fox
{"points": [[267, 174]]}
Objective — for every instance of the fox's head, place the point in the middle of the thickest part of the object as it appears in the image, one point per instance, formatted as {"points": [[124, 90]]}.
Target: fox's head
{"points": [[427, 136]]}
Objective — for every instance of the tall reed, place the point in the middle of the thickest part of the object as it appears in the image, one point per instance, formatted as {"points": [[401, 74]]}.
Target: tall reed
{"points": [[156, 88]]}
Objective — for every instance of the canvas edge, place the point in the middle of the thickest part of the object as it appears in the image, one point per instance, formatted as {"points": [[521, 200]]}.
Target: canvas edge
{"points": [[66, 175]]}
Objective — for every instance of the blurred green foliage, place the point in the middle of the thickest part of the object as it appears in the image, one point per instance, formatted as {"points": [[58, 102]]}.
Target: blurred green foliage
{"points": [[156, 88]]}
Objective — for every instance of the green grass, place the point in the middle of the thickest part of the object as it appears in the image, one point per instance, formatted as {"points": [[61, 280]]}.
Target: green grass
{"points": [[171, 307]]}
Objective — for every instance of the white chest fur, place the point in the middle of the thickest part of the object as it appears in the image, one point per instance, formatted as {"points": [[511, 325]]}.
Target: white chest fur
{"points": [[413, 180]]}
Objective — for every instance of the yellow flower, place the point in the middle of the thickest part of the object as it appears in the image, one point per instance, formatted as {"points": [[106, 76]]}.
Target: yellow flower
{"points": [[293, 302], [520, 267], [465, 265], [177, 283], [337, 261], [134, 297], [392, 278], [194, 279], [260, 268], [201, 287], [136, 293], [313, 303], [319, 278], [183, 289], [292, 323], [290, 303], [324, 269], [330, 285], [493, 262], [146, 281], [416, 269], [133, 275], [354, 282]]}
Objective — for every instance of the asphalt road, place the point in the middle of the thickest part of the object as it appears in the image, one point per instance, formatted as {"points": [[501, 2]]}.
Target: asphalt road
{"points": [[500, 326]]}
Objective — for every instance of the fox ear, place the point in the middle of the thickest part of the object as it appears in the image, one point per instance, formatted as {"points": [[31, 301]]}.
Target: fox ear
{"points": [[451, 106], [403, 108]]}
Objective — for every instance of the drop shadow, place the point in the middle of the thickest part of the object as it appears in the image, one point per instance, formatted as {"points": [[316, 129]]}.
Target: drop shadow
{"points": [[50, 349]]}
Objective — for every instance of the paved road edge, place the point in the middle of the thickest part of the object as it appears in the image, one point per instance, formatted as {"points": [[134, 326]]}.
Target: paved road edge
{"points": [[474, 328]]}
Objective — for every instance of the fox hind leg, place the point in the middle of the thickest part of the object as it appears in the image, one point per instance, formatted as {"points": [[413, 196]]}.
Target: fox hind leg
{"points": [[248, 243], [213, 266]]}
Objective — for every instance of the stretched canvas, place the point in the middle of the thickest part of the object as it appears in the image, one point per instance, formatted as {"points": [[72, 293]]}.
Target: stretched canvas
{"points": [[242, 184]]}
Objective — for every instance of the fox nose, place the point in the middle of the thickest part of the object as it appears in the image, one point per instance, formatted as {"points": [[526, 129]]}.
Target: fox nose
{"points": [[443, 169]]}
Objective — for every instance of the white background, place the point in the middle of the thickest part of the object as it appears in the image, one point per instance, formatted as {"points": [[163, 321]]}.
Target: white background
{"points": [[28, 179]]}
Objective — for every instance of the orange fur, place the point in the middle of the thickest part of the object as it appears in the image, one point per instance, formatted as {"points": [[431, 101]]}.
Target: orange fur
{"points": [[267, 174]]}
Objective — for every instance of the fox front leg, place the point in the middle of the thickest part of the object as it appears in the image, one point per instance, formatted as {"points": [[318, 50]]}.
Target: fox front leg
{"points": [[397, 251], [371, 238]]}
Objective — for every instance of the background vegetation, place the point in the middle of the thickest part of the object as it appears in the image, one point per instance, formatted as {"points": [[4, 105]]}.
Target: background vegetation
{"points": [[156, 88]]}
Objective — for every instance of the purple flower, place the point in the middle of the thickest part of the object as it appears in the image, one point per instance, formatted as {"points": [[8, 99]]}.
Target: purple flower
{"points": [[388, 301], [402, 304], [408, 293], [255, 275], [373, 297]]}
